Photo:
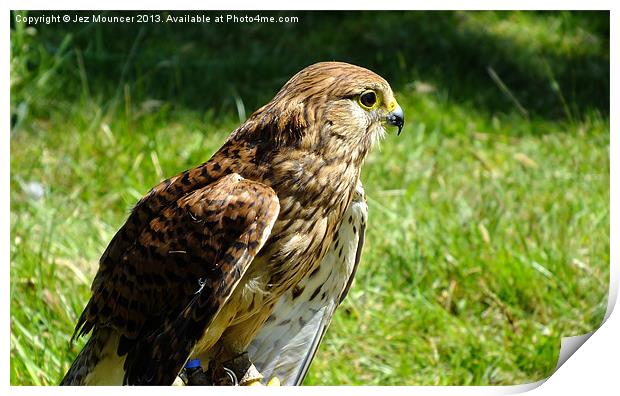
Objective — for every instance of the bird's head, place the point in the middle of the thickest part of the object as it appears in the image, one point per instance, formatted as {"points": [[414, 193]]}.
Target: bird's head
{"points": [[329, 104]]}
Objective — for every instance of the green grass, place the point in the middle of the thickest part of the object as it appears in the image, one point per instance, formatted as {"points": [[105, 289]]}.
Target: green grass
{"points": [[488, 236]]}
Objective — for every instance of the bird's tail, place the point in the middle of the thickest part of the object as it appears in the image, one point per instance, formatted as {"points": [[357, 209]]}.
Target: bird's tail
{"points": [[98, 362]]}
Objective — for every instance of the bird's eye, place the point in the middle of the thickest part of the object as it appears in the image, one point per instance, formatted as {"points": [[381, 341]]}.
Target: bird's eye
{"points": [[368, 99]]}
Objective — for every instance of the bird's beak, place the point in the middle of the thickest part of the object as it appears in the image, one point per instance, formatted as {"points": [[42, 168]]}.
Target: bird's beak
{"points": [[396, 117]]}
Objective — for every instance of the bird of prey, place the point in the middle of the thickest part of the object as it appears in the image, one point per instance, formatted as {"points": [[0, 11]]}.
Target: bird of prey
{"points": [[214, 264]]}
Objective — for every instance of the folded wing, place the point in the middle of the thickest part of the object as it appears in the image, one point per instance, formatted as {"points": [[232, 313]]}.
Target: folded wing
{"points": [[162, 289]]}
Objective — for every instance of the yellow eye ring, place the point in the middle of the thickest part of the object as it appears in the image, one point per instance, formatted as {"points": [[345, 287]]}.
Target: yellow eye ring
{"points": [[368, 99]]}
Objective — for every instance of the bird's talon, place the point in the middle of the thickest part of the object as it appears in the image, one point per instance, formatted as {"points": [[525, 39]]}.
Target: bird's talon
{"points": [[274, 382], [256, 382]]}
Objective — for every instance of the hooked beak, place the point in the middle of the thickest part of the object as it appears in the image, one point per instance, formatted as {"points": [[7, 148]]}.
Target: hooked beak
{"points": [[396, 118]]}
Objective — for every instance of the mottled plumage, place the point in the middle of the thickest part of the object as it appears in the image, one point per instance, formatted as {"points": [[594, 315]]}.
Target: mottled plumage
{"points": [[204, 257], [286, 343]]}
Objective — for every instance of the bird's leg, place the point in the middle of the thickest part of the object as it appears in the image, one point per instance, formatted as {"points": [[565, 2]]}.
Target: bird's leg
{"points": [[251, 375], [239, 371], [192, 374], [244, 369]]}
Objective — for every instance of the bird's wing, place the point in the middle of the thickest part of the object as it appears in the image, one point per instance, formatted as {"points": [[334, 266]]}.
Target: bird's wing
{"points": [[168, 283], [288, 341]]}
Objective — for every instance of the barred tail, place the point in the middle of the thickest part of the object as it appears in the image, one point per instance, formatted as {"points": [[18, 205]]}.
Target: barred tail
{"points": [[98, 362]]}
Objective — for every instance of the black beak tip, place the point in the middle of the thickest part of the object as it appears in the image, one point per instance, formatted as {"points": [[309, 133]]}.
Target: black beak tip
{"points": [[397, 118]]}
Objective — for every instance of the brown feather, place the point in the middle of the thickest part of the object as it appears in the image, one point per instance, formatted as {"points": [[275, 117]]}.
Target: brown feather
{"points": [[199, 232]]}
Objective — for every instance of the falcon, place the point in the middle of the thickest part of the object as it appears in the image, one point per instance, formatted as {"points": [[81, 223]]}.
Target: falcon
{"points": [[245, 257]]}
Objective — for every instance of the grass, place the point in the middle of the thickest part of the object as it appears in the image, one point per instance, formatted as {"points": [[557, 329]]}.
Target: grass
{"points": [[488, 237]]}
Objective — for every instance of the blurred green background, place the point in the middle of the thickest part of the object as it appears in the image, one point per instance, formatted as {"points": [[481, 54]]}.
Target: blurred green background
{"points": [[488, 237]]}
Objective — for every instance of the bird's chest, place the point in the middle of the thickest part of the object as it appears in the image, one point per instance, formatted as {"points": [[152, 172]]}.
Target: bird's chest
{"points": [[311, 211], [297, 249], [299, 245]]}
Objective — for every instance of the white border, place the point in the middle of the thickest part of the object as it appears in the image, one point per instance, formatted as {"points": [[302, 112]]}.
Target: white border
{"points": [[594, 366]]}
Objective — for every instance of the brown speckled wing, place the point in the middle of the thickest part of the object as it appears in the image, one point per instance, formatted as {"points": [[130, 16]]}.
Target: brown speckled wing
{"points": [[167, 285]]}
